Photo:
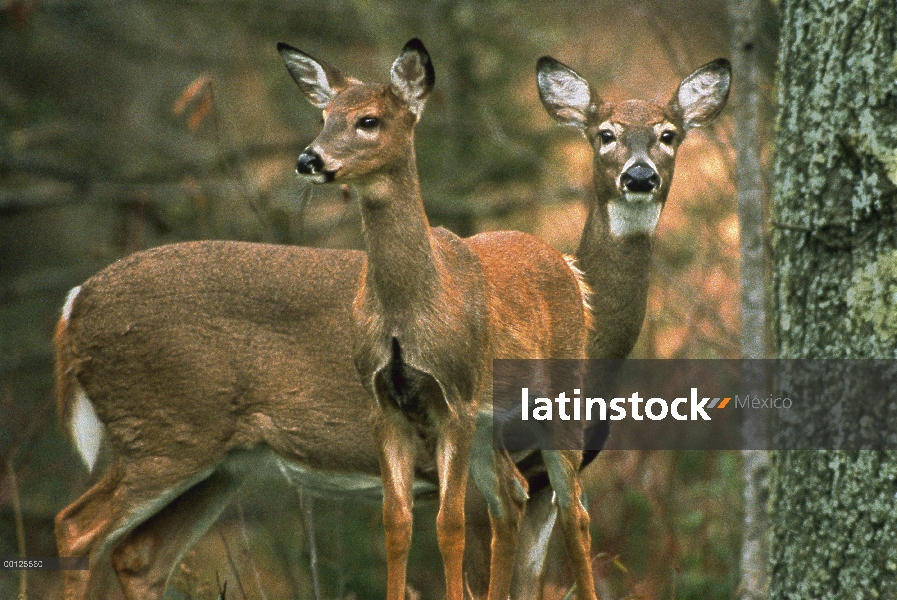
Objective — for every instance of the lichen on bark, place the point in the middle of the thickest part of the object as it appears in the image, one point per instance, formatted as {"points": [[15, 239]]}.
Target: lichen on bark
{"points": [[834, 513], [872, 298]]}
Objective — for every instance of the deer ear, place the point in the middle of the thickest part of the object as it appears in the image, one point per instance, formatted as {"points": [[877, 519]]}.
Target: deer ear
{"points": [[317, 80], [702, 95], [413, 76], [565, 94]]}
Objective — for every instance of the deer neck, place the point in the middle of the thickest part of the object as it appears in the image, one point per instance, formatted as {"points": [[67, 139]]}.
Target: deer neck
{"points": [[401, 265], [616, 269]]}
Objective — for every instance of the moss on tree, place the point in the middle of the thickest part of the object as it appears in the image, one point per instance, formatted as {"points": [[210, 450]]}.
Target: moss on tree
{"points": [[834, 514]]}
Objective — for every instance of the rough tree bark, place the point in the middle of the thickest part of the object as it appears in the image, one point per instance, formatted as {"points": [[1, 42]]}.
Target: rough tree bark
{"points": [[833, 515]]}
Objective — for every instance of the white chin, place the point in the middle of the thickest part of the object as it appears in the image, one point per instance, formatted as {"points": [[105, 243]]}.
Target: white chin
{"points": [[316, 178], [636, 213]]}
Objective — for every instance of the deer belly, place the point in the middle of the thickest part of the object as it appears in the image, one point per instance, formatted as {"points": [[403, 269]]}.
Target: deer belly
{"points": [[327, 483]]}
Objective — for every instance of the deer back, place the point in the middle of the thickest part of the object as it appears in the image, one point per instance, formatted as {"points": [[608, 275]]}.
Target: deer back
{"points": [[536, 301]]}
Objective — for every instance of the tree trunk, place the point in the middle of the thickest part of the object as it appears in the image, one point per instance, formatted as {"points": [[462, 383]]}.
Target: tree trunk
{"points": [[833, 515], [749, 130]]}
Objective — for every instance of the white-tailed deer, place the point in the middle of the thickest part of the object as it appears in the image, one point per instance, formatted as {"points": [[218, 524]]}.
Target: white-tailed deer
{"points": [[634, 147], [201, 365], [433, 311]]}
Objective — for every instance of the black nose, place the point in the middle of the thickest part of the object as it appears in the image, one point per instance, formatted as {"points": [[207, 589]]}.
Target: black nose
{"points": [[309, 163], [640, 178]]}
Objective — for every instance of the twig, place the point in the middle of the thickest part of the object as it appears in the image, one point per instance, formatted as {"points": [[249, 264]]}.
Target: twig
{"points": [[233, 566], [173, 173], [222, 588], [233, 166], [570, 592], [14, 485], [341, 575], [255, 571]]}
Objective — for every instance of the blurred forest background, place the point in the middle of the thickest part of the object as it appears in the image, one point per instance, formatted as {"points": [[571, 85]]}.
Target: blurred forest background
{"points": [[135, 123]]}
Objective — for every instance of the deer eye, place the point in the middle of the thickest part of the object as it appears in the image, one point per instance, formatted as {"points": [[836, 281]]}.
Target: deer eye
{"points": [[367, 122], [668, 136], [606, 136]]}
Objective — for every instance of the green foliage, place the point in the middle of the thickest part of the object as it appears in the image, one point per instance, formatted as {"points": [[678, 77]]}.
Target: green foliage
{"points": [[676, 537]]}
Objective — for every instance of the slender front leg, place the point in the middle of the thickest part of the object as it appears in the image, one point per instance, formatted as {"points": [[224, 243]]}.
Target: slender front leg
{"points": [[563, 472], [452, 461], [505, 491], [396, 452], [532, 547]]}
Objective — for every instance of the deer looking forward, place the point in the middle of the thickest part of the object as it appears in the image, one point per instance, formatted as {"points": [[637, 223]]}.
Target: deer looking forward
{"points": [[634, 146], [433, 311]]}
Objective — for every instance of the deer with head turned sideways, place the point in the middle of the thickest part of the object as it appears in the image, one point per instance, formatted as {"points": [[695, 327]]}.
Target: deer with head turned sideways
{"points": [[433, 311], [185, 371]]}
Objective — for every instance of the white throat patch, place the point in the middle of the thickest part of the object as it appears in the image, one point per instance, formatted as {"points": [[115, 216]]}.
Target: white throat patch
{"points": [[637, 213]]}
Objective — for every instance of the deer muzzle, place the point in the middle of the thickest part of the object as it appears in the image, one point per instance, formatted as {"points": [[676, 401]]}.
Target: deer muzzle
{"points": [[640, 179], [311, 165], [638, 209]]}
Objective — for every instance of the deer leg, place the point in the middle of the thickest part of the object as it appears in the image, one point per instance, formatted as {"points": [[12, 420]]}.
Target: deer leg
{"points": [[477, 544], [127, 495], [532, 549], [505, 490], [77, 528], [452, 460], [145, 559], [396, 452], [536, 529], [563, 472]]}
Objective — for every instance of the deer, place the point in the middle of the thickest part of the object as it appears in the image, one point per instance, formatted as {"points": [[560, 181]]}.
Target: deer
{"points": [[187, 370], [634, 146], [433, 310]]}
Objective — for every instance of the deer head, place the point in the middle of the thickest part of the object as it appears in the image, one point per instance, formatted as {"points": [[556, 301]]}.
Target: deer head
{"points": [[634, 142], [368, 129]]}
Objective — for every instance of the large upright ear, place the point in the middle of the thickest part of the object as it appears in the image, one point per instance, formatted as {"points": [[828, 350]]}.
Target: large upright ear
{"points": [[413, 76], [565, 94], [703, 94], [317, 80]]}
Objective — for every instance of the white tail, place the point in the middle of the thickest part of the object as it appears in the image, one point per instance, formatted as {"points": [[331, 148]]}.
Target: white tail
{"points": [[86, 429]]}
